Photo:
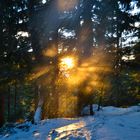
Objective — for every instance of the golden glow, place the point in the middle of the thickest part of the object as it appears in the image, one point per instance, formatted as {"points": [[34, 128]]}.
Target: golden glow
{"points": [[67, 63], [50, 52], [66, 5], [88, 76], [38, 72]]}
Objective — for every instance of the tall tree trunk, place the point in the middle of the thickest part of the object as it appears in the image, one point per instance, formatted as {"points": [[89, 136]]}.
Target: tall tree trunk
{"points": [[15, 101], [55, 100], [99, 103], [85, 37], [2, 98], [9, 103], [38, 112], [102, 90]]}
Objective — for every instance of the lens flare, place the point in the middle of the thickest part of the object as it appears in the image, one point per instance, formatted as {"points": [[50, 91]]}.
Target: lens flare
{"points": [[67, 63]]}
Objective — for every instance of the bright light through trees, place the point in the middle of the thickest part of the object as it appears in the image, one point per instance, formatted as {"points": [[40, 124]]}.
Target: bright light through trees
{"points": [[67, 63], [66, 5]]}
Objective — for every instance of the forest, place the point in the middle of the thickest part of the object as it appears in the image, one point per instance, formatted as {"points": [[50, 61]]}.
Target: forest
{"points": [[58, 56]]}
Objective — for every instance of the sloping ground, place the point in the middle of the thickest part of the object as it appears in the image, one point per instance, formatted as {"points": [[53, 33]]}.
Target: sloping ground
{"points": [[109, 124], [119, 124]]}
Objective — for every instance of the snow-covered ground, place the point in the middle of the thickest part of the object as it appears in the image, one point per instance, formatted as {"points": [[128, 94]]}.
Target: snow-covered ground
{"points": [[110, 123]]}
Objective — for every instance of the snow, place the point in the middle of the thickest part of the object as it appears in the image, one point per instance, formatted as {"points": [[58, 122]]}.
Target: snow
{"points": [[110, 123], [119, 124]]}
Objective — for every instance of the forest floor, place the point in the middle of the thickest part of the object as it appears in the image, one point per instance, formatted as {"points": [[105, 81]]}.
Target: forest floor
{"points": [[110, 123]]}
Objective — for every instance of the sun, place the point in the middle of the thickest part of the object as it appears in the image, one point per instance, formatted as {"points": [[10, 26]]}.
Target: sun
{"points": [[67, 62]]}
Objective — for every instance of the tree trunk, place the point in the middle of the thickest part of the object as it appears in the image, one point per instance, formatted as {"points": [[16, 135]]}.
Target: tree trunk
{"points": [[99, 103], [15, 101], [85, 38], [1, 110], [54, 100], [9, 103], [38, 112], [91, 109]]}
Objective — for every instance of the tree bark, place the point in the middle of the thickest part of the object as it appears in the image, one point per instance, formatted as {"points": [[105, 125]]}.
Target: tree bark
{"points": [[15, 101], [2, 109], [91, 109], [9, 103], [85, 36], [99, 103], [38, 112]]}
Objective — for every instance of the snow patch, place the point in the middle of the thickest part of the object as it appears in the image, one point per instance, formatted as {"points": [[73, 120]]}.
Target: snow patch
{"points": [[111, 123]]}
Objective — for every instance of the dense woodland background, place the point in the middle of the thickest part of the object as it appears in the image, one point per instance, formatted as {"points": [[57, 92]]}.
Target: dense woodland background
{"points": [[103, 38]]}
